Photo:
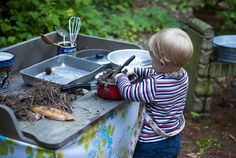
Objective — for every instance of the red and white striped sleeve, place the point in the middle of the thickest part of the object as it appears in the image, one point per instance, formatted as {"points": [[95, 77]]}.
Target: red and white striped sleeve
{"points": [[143, 91], [143, 72]]}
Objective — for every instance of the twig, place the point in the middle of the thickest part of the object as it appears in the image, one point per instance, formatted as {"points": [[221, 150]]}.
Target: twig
{"points": [[232, 137], [46, 94]]}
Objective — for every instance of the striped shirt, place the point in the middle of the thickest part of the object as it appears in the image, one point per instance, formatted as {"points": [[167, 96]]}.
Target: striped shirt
{"points": [[164, 96]]}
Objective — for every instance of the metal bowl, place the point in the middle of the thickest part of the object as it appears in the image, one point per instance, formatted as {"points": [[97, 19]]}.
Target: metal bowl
{"points": [[225, 47], [118, 57]]}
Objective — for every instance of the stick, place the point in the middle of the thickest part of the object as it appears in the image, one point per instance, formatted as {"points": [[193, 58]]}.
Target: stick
{"points": [[232, 137]]}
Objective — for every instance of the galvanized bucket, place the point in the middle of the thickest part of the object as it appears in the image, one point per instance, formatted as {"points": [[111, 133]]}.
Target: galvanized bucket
{"points": [[225, 47]]}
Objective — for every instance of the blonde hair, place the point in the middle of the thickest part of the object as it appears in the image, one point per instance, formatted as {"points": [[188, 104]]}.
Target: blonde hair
{"points": [[172, 45]]}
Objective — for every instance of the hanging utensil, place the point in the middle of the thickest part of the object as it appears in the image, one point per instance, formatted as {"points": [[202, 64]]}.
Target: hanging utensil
{"points": [[62, 32], [74, 28], [49, 41]]}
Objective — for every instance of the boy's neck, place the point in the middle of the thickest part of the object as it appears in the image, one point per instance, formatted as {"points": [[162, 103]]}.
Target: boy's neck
{"points": [[172, 69], [169, 70], [173, 72]]}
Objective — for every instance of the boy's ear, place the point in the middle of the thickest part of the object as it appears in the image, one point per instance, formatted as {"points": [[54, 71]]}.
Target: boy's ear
{"points": [[163, 63]]}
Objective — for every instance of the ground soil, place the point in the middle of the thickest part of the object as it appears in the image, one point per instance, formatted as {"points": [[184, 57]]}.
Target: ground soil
{"points": [[213, 135]]}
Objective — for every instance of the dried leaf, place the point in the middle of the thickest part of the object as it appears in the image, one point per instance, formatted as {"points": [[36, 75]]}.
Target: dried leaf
{"points": [[53, 113], [193, 155]]}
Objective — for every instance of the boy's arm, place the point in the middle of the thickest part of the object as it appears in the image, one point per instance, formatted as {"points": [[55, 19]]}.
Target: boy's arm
{"points": [[144, 91], [143, 72]]}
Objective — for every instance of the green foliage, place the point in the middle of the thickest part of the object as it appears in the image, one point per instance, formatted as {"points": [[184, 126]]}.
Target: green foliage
{"points": [[229, 15], [208, 143], [195, 114], [104, 18], [128, 25], [225, 10], [113, 6], [33, 17], [177, 5]]}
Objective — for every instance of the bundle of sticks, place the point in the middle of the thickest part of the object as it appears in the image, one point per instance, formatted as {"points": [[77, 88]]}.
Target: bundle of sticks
{"points": [[45, 94]]}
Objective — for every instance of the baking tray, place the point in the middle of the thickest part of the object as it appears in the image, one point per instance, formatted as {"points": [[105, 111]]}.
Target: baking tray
{"points": [[65, 69]]}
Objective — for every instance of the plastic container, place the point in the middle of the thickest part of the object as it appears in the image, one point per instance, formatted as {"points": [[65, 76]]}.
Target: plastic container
{"points": [[6, 61]]}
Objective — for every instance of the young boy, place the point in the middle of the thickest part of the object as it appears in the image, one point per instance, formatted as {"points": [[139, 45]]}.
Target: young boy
{"points": [[163, 89]]}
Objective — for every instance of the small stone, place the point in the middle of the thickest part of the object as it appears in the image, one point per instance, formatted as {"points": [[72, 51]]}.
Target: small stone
{"points": [[48, 70]]}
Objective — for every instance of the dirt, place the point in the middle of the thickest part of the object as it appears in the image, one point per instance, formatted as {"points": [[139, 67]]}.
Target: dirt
{"points": [[213, 135], [104, 77]]}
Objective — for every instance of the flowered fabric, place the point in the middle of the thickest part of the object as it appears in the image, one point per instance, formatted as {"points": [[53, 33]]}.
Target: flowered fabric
{"points": [[108, 138]]}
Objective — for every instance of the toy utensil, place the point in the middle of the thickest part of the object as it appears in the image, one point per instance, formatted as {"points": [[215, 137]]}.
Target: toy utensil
{"points": [[49, 41], [127, 62], [74, 28], [62, 32]]}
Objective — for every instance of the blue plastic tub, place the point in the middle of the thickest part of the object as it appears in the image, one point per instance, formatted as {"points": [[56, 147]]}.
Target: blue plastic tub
{"points": [[225, 47]]}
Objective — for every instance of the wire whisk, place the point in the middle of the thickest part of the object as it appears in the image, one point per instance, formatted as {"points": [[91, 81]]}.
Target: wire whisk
{"points": [[74, 28]]}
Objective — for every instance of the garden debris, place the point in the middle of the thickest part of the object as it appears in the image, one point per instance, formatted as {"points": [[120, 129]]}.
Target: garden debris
{"points": [[193, 155], [53, 113], [103, 78], [45, 94], [232, 137]]}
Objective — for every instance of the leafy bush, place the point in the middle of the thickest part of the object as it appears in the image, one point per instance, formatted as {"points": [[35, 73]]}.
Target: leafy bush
{"points": [[223, 10], [229, 15], [25, 19], [128, 26], [40, 16]]}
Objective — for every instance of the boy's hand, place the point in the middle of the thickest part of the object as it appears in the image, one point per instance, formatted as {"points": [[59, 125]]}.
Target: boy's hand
{"points": [[128, 70]]}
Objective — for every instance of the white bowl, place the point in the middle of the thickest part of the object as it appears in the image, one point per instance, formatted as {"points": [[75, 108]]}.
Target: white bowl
{"points": [[118, 57]]}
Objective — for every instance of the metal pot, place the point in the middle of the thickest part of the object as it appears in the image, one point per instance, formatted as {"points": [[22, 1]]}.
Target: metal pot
{"points": [[105, 90]]}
